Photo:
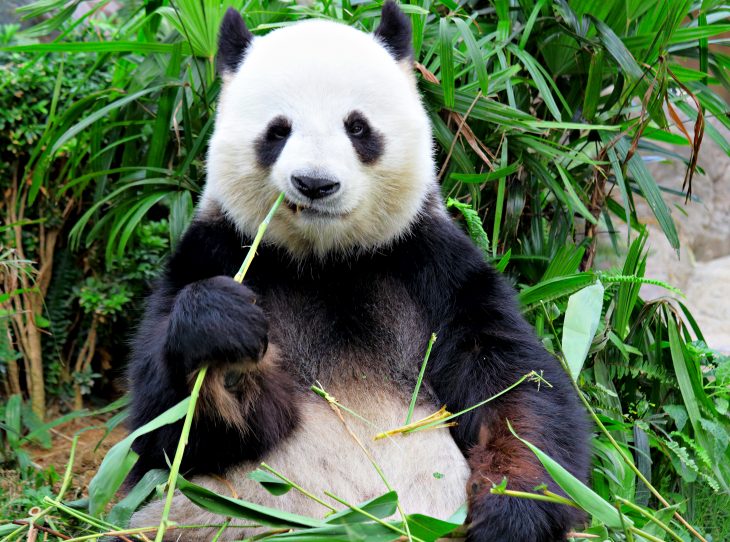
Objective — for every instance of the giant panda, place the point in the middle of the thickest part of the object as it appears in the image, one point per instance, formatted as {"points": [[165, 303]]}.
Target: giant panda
{"points": [[358, 267]]}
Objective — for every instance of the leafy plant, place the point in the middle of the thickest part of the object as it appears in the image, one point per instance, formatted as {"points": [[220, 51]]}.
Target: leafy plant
{"points": [[543, 113]]}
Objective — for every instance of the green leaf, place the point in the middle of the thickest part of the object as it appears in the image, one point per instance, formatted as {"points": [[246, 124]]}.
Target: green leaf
{"points": [[237, 508], [584, 496], [100, 114], [579, 327], [272, 484], [475, 53], [13, 424], [651, 193], [428, 529], [380, 507], [370, 532], [486, 177], [549, 290], [447, 63], [123, 510], [539, 79], [120, 459], [136, 47], [473, 224]]}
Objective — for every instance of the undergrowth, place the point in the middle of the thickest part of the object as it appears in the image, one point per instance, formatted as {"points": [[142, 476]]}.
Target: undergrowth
{"points": [[540, 154]]}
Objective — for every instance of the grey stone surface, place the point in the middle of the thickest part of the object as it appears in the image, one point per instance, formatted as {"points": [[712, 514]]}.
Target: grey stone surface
{"points": [[702, 267], [708, 297]]}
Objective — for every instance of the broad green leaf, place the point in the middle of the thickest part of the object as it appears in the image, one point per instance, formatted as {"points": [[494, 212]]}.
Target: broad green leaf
{"points": [[584, 496], [682, 35], [237, 508], [120, 459], [651, 193], [486, 177], [100, 114], [123, 510], [554, 289], [136, 47], [380, 507], [430, 529], [539, 79], [580, 324], [568, 183], [370, 532], [447, 62], [13, 424], [272, 484], [475, 53]]}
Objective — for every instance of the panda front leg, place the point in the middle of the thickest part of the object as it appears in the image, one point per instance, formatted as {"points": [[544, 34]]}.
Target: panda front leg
{"points": [[498, 455], [472, 365], [245, 406]]}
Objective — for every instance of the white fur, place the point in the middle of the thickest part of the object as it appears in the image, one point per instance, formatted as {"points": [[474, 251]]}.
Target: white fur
{"points": [[322, 456], [315, 73]]}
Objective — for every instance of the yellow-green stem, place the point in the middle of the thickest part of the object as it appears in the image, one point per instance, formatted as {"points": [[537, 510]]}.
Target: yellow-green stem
{"points": [[412, 406], [370, 516], [298, 487], [651, 518], [175, 467], [257, 240], [532, 376], [557, 499]]}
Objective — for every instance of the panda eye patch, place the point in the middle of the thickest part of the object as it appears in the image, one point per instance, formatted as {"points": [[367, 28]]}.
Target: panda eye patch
{"points": [[357, 128], [279, 129], [272, 141], [367, 142]]}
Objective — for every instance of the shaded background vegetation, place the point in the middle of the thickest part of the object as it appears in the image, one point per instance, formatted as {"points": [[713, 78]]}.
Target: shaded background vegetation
{"points": [[544, 114]]}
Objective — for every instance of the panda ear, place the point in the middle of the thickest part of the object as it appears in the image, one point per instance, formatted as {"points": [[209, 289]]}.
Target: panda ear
{"points": [[233, 40], [394, 31]]}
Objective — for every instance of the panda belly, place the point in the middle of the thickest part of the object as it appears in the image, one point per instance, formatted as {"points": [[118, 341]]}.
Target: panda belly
{"points": [[426, 469]]}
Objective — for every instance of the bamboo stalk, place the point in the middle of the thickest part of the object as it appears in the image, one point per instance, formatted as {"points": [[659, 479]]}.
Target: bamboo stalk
{"points": [[175, 467]]}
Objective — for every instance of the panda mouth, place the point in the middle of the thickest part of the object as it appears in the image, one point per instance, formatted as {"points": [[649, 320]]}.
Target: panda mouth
{"points": [[299, 209]]}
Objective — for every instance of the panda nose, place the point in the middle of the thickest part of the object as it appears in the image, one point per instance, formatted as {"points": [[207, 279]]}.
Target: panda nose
{"points": [[315, 187]]}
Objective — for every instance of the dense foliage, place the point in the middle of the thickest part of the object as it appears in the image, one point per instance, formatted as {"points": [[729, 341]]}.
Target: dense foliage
{"points": [[543, 113]]}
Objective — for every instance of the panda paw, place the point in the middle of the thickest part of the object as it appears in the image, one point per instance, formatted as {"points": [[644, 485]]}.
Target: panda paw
{"points": [[510, 519], [215, 321]]}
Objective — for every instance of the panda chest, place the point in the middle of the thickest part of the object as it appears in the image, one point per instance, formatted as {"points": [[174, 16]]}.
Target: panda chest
{"points": [[373, 334], [364, 350]]}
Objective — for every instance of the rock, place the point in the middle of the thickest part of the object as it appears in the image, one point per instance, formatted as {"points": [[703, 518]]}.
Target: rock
{"points": [[708, 297], [702, 267], [706, 224]]}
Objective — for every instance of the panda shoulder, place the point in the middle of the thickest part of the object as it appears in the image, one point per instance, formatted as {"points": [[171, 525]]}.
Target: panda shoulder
{"points": [[210, 246]]}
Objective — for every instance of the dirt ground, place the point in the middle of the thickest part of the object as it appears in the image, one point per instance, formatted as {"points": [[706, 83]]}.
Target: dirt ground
{"points": [[90, 450]]}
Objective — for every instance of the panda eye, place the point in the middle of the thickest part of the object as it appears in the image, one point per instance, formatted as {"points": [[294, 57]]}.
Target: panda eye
{"points": [[356, 129], [356, 126], [278, 130]]}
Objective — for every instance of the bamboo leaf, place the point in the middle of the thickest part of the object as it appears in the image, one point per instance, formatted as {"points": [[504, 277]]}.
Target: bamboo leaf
{"points": [[580, 324], [120, 459], [585, 497], [447, 63], [554, 289], [651, 193], [237, 508], [380, 507], [475, 53]]}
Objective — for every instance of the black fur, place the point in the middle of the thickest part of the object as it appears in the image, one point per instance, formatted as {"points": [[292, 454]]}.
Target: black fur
{"points": [[483, 346], [394, 31], [225, 314], [270, 144], [233, 40], [367, 142]]}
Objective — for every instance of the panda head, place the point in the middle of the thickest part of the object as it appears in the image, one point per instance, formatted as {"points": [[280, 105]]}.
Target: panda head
{"points": [[331, 117]]}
